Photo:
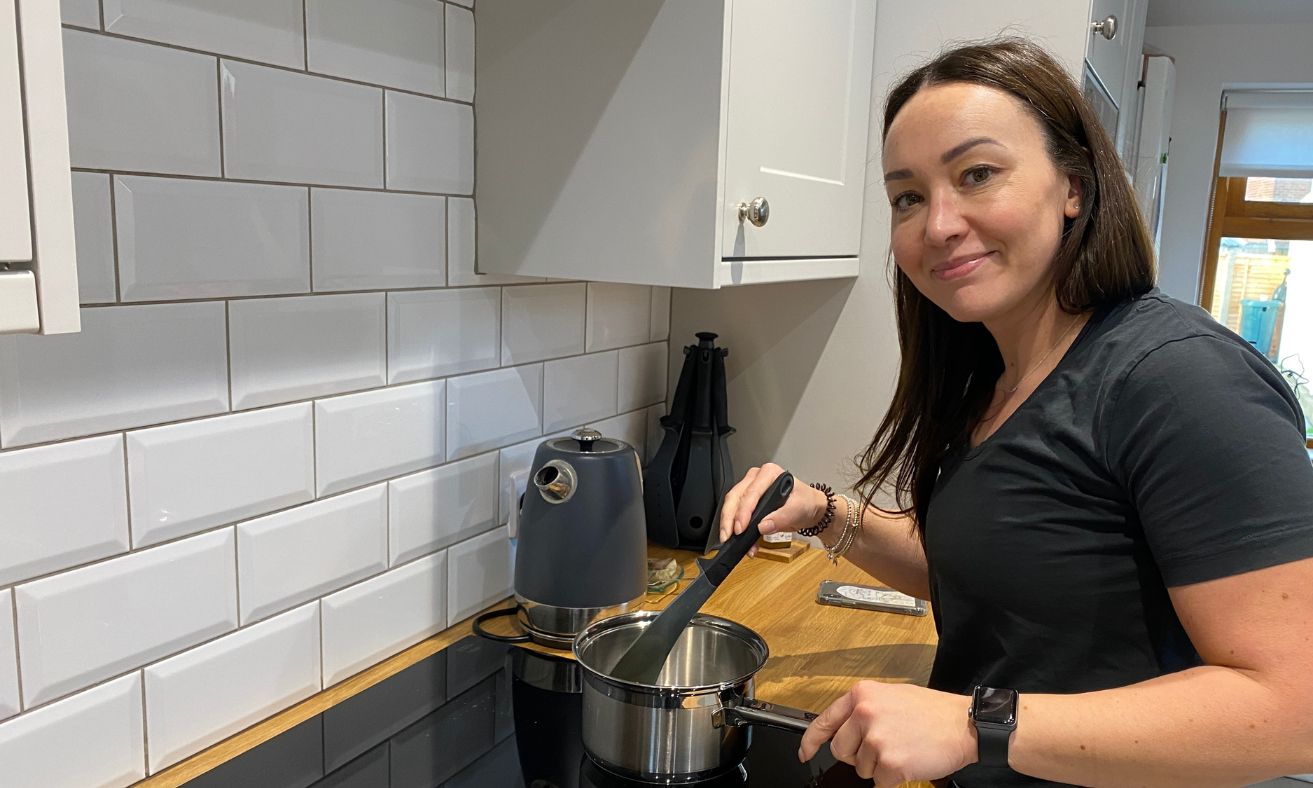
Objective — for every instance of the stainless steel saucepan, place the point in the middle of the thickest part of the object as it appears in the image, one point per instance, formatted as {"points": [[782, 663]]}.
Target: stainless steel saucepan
{"points": [[693, 722]]}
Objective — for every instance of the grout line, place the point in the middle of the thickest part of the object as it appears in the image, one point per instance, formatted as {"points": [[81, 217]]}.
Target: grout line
{"points": [[307, 400], [383, 101], [114, 239], [265, 64], [320, 604], [100, 9], [268, 182], [145, 727], [305, 37], [18, 652]]}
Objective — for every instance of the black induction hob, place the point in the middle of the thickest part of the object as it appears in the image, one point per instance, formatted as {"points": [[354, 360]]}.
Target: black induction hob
{"points": [[478, 714]]}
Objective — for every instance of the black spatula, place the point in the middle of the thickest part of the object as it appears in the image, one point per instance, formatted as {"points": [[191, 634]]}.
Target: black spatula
{"points": [[643, 661]]}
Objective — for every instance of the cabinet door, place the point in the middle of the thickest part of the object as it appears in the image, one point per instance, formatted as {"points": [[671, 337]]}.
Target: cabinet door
{"points": [[1107, 57], [15, 220], [798, 103]]}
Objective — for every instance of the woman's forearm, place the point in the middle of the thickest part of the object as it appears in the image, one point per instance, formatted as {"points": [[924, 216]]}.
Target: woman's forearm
{"points": [[886, 548], [1206, 726]]}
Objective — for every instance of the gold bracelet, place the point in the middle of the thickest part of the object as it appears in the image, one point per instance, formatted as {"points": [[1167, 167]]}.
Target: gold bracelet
{"points": [[852, 523]]}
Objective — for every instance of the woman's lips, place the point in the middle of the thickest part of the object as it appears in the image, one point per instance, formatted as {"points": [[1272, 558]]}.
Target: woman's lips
{"points": [[957, 268]]}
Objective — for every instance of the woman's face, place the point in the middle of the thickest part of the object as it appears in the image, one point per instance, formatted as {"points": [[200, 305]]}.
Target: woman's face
{"points": [[978, 206]]}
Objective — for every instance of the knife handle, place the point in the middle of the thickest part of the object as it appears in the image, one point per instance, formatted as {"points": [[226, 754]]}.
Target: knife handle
{"points": [[737, 546]]}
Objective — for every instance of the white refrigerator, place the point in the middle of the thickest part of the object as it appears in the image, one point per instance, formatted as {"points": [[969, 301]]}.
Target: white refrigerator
{"points": [[1150, 152]]}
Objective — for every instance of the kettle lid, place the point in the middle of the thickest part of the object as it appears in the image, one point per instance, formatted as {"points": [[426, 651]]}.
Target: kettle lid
{"points": [[587, 440]]}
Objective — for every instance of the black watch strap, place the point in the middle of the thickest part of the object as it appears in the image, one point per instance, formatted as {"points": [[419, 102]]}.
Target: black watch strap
{"points": [[992, 745]]}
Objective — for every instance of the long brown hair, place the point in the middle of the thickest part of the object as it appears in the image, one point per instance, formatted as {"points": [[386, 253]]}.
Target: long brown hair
{"points": [[948, 370]]}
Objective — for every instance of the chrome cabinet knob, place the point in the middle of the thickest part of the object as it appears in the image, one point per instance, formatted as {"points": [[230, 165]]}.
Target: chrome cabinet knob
{"points": [[1107, 28], [757, 211]]}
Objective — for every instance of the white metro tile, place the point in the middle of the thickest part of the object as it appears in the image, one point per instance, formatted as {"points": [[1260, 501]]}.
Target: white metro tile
{"points": [[436, 508], [363, 438], [629, 427], [642, 376], [129, 366], [430, 144], [85, 13], [373, 620], [189, 477], [618, 315], [266, 30], [578, 390], [660, 330], [47, 529], [283, 126], [374, 240], [478, 573], [397, 43], [8, 659], [303, 553], [542, 321], [655, 432], [460, 54], [493, 409], [140, 107], [209, 692], [93, 738], [287, 349], [94, 237], [434, 333], [466, 3], [182, 238], [79, 627], [461, 221]]}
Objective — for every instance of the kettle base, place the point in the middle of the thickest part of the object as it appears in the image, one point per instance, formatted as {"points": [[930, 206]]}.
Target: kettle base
{"points": [[555, 627]]}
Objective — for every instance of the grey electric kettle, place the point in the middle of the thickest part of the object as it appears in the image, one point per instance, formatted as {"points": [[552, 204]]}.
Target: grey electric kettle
{"points": [[582, 551]]}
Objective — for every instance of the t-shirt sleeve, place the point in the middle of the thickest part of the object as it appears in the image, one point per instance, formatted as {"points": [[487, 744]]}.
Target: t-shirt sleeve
{"points": [[1208, 441]]}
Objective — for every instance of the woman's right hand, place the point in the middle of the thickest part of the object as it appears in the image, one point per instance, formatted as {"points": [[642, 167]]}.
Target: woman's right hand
{"points": [[804, 507]]}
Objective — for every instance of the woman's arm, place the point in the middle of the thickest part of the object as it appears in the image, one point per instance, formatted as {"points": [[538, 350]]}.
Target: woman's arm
{"points": [[886, 546], [1244, 716]]}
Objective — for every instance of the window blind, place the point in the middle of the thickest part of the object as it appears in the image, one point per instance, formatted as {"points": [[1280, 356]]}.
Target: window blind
{"points": [[1269, 133]]}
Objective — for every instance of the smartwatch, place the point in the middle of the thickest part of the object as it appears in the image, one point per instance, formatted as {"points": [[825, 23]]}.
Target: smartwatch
{"points": [[994, 713]]}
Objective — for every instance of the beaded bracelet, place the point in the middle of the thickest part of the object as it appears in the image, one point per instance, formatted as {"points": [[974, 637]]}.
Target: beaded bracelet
{"points": [[827, 518], [852, 524]]}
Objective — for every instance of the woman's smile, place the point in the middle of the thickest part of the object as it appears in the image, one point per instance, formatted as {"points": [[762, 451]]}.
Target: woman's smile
{"points": [[959, 266]]}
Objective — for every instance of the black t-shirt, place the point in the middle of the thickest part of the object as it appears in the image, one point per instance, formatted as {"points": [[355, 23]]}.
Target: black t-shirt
{"points": [[1162, 451]]}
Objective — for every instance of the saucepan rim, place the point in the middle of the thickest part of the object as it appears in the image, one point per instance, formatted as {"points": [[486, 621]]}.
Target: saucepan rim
{"points": [[599, 629]]}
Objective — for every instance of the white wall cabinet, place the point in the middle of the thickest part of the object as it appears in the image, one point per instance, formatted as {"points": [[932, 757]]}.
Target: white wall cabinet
{"points": [[617, 141], [38, 268]]}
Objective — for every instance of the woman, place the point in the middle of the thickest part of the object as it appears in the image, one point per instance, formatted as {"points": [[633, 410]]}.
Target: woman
{"points": [[1104, 493]]}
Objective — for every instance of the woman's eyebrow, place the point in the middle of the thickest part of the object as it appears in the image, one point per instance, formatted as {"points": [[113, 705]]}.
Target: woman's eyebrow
{"points": [[952, 153]]}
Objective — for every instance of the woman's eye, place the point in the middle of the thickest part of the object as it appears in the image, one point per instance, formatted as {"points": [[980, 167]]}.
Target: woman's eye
{"points": [[978, 175], [905, 201]]}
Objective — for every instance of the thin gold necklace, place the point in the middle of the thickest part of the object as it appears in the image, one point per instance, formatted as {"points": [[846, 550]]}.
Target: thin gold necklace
{"points": [[1042, 358]]}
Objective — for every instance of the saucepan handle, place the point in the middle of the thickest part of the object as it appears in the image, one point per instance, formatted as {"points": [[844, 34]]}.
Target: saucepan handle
{"points": [[755, 712]]}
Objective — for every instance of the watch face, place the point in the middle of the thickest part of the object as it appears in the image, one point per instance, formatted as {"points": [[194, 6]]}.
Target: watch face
{"points": [[998, 706]]}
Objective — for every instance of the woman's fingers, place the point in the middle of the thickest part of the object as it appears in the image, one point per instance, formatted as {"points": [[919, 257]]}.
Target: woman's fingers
{"points": [[826, 724], [730, 506], [761, 482]]}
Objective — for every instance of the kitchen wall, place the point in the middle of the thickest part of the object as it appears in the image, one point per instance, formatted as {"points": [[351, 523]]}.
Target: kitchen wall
{"points": [[274, 455], [1208, 59]]}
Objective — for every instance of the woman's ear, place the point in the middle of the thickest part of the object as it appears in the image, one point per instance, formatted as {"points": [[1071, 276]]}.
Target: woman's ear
{"points": [[1075, 193]]}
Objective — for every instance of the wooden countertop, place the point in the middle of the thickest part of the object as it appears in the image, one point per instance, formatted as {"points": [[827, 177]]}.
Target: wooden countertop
{"points": [[817, 652]]}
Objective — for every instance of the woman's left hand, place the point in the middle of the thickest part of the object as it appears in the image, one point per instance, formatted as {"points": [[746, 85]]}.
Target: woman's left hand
{"points": [[893, 733]]}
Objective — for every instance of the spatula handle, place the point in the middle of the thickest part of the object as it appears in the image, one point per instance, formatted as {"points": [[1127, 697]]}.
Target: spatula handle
{"points": [[737, 546]]}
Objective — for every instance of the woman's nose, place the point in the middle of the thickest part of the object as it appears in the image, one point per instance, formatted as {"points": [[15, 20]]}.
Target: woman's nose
{"points": [[944, 220]]}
